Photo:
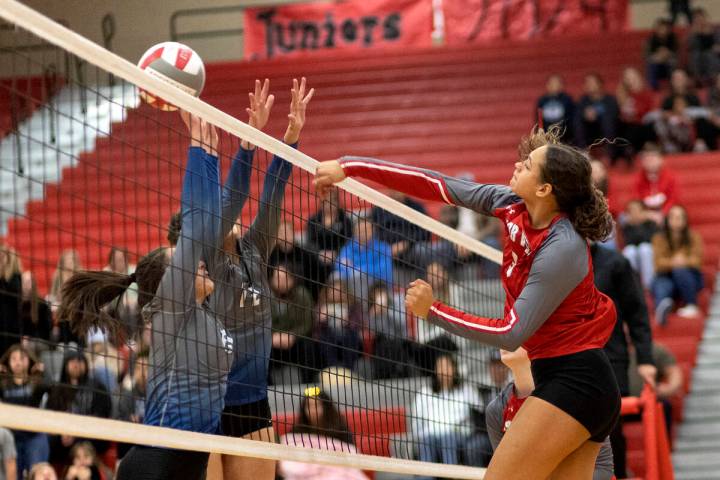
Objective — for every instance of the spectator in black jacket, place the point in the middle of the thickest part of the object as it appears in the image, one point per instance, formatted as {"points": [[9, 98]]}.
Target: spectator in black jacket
{"points": [[703, 48], [615, 278], [680, 86], [678, 7], [400, 233], [35, 315], [79, 394], [556, 107], [597, 114], [303, 262], [660, 53], [10, 290], [329, 229]]}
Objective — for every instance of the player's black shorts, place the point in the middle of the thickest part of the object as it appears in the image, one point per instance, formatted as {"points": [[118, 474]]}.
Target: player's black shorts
{"points": [[582, 385], [239, 420], [153, 463]]}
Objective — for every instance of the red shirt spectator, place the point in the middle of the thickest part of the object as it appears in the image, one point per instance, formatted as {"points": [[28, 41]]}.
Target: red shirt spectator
{"points": [[655, 185]]}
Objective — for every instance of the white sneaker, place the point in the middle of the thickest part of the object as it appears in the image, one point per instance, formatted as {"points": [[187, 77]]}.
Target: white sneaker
{"points": [[662, 310], [689, 311]]}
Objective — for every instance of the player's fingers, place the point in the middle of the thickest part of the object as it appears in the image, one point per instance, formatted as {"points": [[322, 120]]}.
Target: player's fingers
{"points": [[270, 102], [302, 87], [309, 96], [265, 88], [258, 88]]}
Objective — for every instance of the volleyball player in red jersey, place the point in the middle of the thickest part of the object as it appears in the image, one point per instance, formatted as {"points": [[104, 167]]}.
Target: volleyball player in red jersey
{"points": [[550, 211]]}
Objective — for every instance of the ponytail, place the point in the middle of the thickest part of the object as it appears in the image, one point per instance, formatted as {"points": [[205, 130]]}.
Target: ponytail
{"points": [[86, 293], [592, 219]]}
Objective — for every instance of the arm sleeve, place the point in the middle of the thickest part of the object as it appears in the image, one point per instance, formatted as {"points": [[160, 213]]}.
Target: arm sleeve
{"points": [[236, 189], [560, 265], [429, 185], [198, 235], [632, 308], [494, 418], [263, 231]]}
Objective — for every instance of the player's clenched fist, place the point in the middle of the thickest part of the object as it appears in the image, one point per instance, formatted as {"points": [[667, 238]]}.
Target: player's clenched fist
{"points": [[328, 174], [419, 298]]}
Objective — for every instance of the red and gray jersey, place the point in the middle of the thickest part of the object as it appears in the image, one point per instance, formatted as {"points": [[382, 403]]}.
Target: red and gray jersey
{"points": [[552, 307]]}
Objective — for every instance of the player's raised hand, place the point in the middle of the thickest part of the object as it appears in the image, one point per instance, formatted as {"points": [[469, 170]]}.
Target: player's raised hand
{"points": [[419, 298], [202, 134], [298, 106], [327, 174], [261, 103]]}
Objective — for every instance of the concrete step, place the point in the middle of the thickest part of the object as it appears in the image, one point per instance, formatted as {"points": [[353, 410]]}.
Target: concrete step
{"points": [[697, 475], [701, 430], [702, 402], [695, 462], [689, 445]]}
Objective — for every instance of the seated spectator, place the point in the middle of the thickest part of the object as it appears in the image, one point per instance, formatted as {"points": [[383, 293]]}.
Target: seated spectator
{"points": [[668, 383], [35, 315], [42, 471], [22, 385], [303, 262], [675, 130], [660, 53], [68, 264], [8, 456], [399, 233], [635, 100], [340, 344], [292, 325], [638, 230], [678, 7], [329, 229], [680, 86], [556, 107], [364, 260], [85, 465], [703, 48], [319, 425], [655, 184], [597, 114], [79, 394], [441, 418], [10, 294], [501, 412], [131, 399], [678, 260]]}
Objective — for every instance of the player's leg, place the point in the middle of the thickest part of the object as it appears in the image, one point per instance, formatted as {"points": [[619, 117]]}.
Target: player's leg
{"points": [[580, 464], [250, 468], [539, 439]]}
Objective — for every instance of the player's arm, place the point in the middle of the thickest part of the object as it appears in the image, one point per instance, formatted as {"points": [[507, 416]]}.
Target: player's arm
{"points": [[237, 185], [560, 265], [263, 231], [418, 182]]}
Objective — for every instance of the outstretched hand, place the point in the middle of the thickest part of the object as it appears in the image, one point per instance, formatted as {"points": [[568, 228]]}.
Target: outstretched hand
{"points": [[419, 298], [327, 174], [202, 133], [261, 103], [298, 105]]}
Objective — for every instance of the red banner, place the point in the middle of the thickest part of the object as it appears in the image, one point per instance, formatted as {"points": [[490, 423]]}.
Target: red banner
{"points": [[475, 21], [331, 26]]}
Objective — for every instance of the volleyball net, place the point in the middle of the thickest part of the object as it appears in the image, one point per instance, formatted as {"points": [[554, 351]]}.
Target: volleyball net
{"points": [[308, 292]]}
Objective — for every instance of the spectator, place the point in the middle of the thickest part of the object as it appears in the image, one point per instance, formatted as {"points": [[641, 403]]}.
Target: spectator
{"points": [[677, 7], [42, 471], [85, 464], [678, 260], [635, 100], [442, 414], [292, 323], [660, 53], [131, 399], [680, 86], [22, 385], [339, 340], [35, 315], [703, 48], [400, 233], [655, 185], [714, 99], [329, 229], [638, 230], [304, 263], [597, 114], [319, 425], [669, 380], [364, 260], [68, 264], [556, 107], [675, 130], [10, 292], [615, 278], [8, 457], [79, 394]]}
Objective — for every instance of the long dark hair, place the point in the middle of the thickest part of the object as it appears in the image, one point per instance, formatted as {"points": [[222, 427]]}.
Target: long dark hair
{"points": [[684, 233], [457, 380], [7, 377], [568, 171], [331, 424], [85, 294]]}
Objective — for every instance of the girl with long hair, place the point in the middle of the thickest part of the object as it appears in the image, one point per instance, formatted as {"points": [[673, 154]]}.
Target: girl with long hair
{"points": [[551, 211], [10, 291], [68, 264]]}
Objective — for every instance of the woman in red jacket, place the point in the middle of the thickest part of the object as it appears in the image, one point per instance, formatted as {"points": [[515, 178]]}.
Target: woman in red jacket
{"points": [[550, 212]]}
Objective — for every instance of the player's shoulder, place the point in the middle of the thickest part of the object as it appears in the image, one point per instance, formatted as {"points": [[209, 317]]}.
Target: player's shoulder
{"points": [[562, 234]]}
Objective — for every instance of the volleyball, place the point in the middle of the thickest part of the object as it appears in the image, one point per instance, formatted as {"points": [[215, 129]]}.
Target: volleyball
{"points": [[176, 64]]}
